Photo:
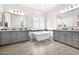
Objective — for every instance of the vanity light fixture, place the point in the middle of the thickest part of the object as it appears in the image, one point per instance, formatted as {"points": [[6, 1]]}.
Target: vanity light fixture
{"points": [[66, 9], [70, 8], [74, 6], [18, 12], [62, 11]]}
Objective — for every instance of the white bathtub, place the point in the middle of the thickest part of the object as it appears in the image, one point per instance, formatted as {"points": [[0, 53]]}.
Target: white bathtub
{"points": [[40, 35]]}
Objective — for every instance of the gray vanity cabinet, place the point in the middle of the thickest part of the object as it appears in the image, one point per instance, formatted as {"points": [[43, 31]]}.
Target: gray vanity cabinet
{"points": [[27, 35], [55, 35], [68, 38], [23, 36], [75, 40], [61, 36], [8, 37], [5, 38], [75, 44], [75, 36], [16, 36]]}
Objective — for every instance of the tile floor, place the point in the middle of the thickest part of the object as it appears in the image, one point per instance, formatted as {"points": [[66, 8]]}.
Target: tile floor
{"points": [[46, 47]]}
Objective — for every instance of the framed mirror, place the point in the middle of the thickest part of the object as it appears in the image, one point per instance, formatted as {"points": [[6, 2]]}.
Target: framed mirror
{"points": [[1, 21], [15, 21]]}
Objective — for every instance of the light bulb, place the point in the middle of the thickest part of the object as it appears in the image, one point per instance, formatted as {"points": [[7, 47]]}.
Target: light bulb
{"points": [[61, 11], [66, 9]]}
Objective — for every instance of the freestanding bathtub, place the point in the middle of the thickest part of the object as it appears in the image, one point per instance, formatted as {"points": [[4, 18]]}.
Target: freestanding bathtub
{"points": [[41, 35]]}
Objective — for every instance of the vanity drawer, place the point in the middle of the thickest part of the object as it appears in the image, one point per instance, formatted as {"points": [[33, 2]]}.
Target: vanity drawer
{"points": [[75, 37], [75, 33]]}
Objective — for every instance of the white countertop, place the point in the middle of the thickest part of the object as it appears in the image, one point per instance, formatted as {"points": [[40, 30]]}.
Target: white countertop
{"points": [[11, 30], [68, 30]]}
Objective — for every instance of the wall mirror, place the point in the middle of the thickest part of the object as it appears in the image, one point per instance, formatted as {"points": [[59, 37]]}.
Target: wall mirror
{"points": [[77, 21], [15, 21], [1, 21]]}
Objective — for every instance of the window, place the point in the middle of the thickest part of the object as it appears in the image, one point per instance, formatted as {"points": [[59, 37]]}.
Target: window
{"points": [[38, 23]]}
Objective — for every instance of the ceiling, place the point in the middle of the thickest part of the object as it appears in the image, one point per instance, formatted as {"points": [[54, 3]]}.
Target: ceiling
{"points": [[41, 7]]}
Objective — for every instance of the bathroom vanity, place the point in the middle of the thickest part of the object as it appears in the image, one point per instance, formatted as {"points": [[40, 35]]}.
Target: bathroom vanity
{"points": [[13, 36], [69, 37]]}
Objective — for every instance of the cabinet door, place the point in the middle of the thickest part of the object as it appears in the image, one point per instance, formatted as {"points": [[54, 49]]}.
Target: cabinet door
{"points": [[55, 35], [14, 36], [75, 40], [18, 36], [68, 37], [27, 36], [61, 36], [75, 36], [75, 43], [22, 36], [5, 37]]}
